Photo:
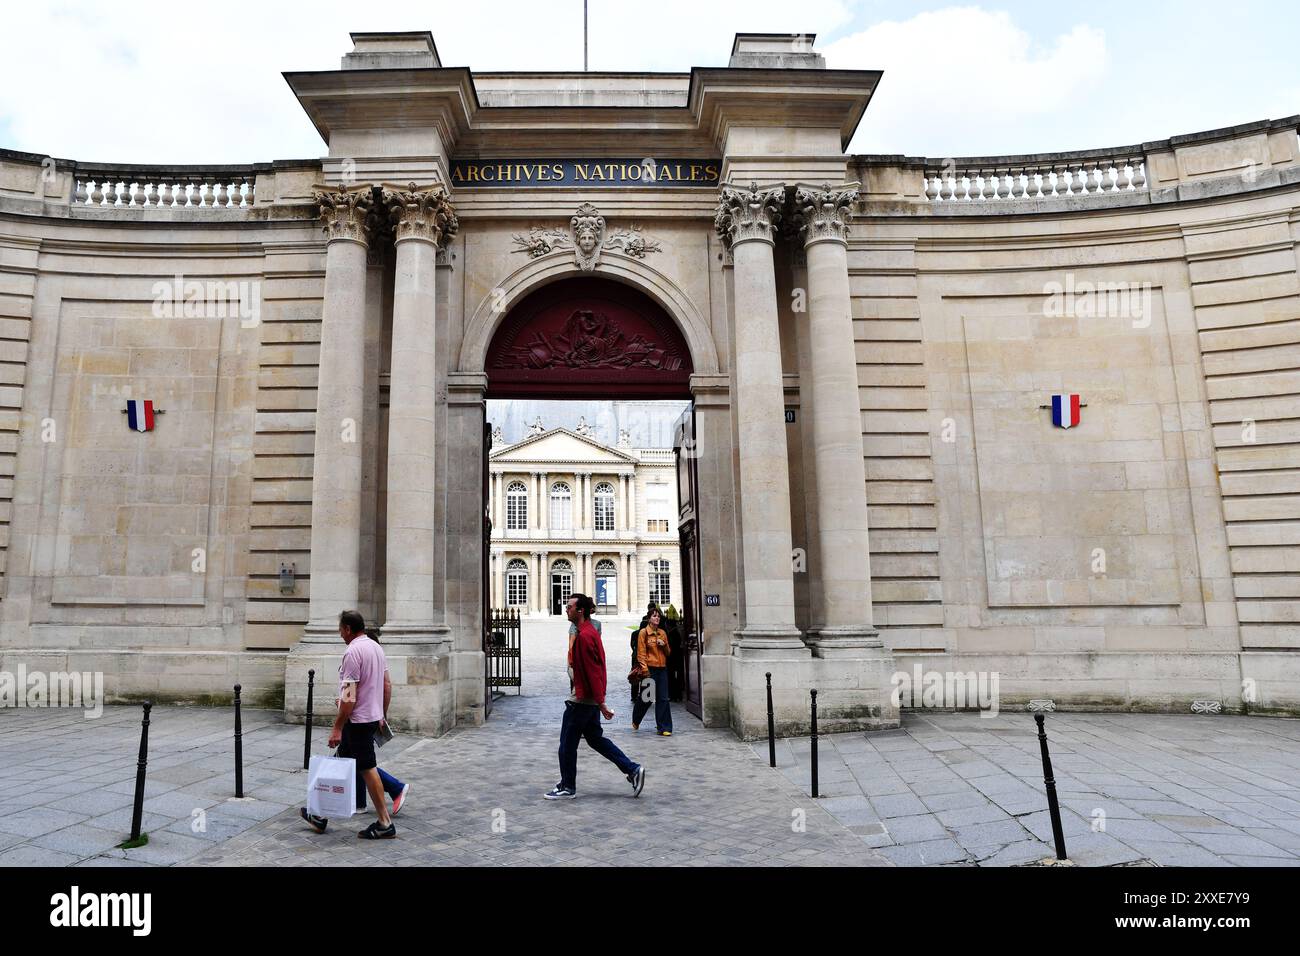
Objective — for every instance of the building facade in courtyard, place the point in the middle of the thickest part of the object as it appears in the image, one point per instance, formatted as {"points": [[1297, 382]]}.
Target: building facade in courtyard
{"points": [[1032, 415], [572, 514]]}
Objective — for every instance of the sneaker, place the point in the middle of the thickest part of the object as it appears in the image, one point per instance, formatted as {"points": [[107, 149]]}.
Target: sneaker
{"points": [[637, 779], [665, 733], [636, 726], [378, 832], [400, 800], [560, 793], [316, 823]]}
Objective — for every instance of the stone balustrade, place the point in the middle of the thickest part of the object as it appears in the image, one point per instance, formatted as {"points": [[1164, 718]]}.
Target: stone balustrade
{"points": [[211, 187], [1047, 176]]}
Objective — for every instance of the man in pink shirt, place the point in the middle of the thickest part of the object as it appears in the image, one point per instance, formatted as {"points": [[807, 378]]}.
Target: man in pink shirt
{"points": [[364, 694]]}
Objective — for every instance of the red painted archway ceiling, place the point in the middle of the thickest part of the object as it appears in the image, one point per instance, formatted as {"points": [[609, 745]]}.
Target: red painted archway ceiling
{"points": [[587, 338]]}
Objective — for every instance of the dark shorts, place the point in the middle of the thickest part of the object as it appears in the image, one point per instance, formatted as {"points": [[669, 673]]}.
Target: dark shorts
{"points": [[359, 744]]}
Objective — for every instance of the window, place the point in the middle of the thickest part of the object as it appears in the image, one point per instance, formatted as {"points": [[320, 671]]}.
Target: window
{"points": [[661, 591], [606, 596], [516, 507], [561, 507], [605, 507], [516, 583], [656, 502]]}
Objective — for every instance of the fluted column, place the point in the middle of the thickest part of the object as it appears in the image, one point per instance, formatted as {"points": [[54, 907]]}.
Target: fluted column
{"points": [[422, 219], [746, 221], [843, 617], [340, 409]]}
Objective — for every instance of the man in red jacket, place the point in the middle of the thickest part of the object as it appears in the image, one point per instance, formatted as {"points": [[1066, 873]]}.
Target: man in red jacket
{"points": [[583, 709]]}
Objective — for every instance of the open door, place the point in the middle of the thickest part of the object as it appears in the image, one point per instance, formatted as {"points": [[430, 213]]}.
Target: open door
{"points": [[686, 455], [485, 576]]}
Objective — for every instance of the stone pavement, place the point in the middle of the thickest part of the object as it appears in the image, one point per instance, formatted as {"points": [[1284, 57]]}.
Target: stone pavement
{"points": [[68, 785], [947, 789], [476, 799], [963, 789]]}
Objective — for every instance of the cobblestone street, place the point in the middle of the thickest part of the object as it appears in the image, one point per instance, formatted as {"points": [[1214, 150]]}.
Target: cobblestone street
{"points": [[947, 789]]}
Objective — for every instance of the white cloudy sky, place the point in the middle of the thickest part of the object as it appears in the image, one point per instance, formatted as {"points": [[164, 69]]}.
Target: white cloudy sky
{"points": [[171, 82]]}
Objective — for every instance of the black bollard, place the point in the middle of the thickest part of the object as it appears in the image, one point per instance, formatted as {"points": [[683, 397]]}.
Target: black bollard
{"points": [[771, 725], [306, 746], [239, 749], [1053, 806], [814, 743], [138, 811]]}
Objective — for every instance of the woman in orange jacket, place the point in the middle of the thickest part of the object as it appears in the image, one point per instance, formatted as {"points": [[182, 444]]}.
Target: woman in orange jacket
{"points": [[652, 657]]}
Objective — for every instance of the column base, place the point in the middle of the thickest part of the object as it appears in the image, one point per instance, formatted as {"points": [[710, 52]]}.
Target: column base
{"points": [[769, 643], [419, 666], [849, 641], [854, 693]]}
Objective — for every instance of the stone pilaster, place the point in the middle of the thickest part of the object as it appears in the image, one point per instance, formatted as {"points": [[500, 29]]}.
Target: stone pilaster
{"points": [[746, 221], [340, 410], [842, 618], [422, 219]]}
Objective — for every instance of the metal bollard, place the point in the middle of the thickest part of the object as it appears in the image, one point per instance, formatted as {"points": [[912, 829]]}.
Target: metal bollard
{"points": [[1053, 806], [771, 725], [814, 743], [239, 748], [138, 811], [306, 746]]}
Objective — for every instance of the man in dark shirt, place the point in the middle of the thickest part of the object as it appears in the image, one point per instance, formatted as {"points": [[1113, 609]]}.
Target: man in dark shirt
{"points": [[586, 705]]}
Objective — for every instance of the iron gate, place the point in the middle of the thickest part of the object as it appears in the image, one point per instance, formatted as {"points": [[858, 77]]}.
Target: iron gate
{"points": [[504, 657]]}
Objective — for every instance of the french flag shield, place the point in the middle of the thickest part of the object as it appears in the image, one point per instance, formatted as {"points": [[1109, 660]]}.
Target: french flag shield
{"points": [[1065, 411], [139, 413]]}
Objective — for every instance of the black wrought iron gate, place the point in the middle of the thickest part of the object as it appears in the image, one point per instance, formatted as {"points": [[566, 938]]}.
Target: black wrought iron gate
{"points": [[504, 656]]}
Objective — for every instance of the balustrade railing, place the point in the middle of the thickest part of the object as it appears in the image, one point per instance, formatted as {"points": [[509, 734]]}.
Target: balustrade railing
{"points": [[1011, 178], [213, 187]]}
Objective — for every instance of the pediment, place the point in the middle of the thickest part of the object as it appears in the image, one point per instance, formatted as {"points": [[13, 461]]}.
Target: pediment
{"points": [[561, 445]]}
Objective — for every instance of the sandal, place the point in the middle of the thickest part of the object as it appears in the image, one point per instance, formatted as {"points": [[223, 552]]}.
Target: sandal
{"points": [[378, 832]]}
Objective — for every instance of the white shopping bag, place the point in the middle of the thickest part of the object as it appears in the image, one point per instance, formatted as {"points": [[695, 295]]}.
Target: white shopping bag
{"points": [[332, 786]]}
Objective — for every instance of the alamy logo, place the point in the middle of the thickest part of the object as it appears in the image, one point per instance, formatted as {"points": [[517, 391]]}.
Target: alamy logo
{"points": [[23, 688], [75, 909], [958, 690], [210, 299]]}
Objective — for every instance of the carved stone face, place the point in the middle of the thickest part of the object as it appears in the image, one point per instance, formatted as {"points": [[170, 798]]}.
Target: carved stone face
{"points": [[587, 240]]}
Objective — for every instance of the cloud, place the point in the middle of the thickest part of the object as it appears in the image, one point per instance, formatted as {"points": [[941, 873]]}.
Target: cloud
{"points": [[158, 82], [965, 81]]}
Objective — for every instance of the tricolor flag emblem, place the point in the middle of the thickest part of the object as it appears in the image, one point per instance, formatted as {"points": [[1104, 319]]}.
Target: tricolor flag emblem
{"points": [[139, 413], [1065, 411]]}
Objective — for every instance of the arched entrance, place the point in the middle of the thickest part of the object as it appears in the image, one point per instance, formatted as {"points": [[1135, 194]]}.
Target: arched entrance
{"points": [[588, 338]]}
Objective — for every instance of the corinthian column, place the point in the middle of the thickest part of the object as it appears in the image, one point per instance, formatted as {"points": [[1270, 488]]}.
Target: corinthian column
{"points": [[843, 618], [422, 218], [746, 221], [340, 408]]}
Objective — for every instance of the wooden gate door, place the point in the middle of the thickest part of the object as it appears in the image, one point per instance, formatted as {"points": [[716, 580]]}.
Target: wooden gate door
{"points": [[686, 455], [486, 576]]}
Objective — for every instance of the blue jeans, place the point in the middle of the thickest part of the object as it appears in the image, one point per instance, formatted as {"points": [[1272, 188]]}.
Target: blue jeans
{"points": [[582, 722], [663, 713], [392, 787]]}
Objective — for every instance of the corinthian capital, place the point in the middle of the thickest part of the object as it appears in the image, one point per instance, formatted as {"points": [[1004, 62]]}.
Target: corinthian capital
{"points": [[751, 213], [343, 211], [421, 212], [823, 213]]}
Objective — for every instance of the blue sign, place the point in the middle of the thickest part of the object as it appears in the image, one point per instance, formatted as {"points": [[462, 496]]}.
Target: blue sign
{"points": [[585, 173], [712, 600]]}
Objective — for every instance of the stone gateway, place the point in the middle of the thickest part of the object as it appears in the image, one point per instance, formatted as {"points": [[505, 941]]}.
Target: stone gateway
{"points": [[869, 485]]}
